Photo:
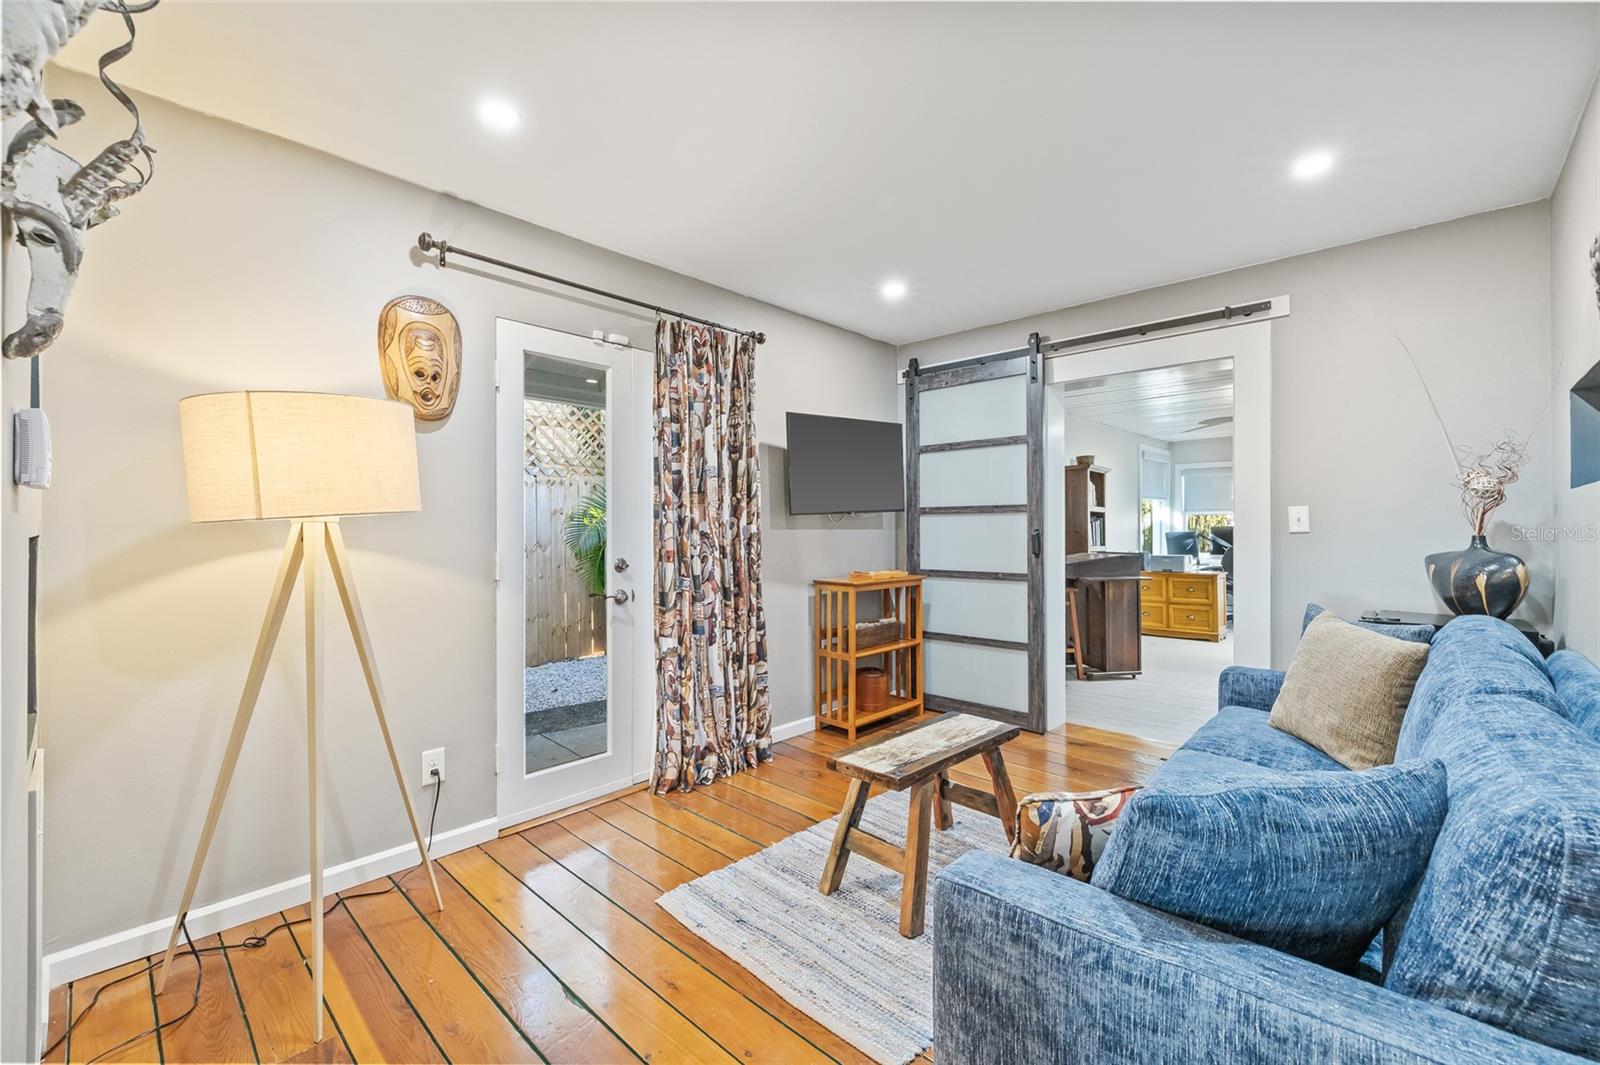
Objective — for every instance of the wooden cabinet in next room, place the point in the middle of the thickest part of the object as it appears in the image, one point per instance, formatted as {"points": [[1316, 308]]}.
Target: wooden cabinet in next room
{"points": [[1190, 605]]}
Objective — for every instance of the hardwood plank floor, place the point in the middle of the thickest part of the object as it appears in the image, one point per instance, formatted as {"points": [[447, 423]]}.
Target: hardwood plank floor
{"points": [[551, 946]]}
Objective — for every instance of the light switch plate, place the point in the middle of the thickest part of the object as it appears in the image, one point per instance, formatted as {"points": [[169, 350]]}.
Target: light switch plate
{"points": [[1299, 519]]}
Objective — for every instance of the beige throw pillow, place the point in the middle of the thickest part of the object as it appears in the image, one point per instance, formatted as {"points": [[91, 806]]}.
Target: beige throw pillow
{"points": [[1347, 690]]}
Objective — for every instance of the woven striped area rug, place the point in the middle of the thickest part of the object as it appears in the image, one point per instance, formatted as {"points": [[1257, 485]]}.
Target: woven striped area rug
{"points": [[839, 958]]}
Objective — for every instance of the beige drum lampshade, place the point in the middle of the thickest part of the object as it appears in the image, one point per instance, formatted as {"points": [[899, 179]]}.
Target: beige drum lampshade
{"points": [[251, 455]]}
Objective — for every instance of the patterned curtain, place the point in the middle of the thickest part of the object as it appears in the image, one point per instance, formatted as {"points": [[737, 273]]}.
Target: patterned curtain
{"points": [[713, 717]]}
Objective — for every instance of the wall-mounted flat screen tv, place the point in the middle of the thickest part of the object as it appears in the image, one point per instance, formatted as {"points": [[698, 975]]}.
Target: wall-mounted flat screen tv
{"points": [[844, 465]]}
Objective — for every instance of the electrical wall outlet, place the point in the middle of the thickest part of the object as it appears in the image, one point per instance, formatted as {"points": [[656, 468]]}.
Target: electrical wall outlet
{"points": [[431, 761], [1299, 519]]}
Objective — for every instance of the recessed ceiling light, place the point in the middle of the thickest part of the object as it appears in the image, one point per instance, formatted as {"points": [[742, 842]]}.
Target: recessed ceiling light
{"points": [[591, 380], [499, 114], [894, 290], [1312, 165]]}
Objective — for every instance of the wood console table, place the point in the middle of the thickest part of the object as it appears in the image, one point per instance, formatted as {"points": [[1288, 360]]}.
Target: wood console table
{"points": [[839, 652]]}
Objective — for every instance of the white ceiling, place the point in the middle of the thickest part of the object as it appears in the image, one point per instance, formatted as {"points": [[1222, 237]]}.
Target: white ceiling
{"points": [[1001, 159], [1164, 404]]}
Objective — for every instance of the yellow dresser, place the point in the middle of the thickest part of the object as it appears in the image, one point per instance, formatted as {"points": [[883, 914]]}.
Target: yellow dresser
{"points": [[1191, 605]]}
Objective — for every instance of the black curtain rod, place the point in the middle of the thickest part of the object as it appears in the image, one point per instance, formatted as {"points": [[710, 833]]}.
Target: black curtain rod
{"points": [[445, 248]]}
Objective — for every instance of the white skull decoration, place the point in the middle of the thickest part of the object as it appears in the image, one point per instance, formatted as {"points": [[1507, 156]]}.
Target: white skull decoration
{"points": [[50, 199]]}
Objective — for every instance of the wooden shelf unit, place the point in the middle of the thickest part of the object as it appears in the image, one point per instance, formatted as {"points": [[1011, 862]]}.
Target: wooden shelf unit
{"points": [[835, 613], [1086, 508]]}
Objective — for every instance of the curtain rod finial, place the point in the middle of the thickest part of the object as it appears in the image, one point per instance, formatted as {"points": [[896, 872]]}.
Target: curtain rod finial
{"points": [[761, 338], [425, 241]]}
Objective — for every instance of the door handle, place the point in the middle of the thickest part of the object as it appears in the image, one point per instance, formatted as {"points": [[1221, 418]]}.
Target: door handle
{"points": [[1037, 541], [619, 597]]}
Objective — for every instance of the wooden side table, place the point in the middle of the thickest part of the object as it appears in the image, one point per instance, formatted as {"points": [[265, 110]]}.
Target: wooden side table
{"points": [[839, 655], [918, 757]]}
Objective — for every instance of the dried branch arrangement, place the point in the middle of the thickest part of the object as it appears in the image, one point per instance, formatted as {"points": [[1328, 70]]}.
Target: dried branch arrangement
{"points": [[1482, 475]]}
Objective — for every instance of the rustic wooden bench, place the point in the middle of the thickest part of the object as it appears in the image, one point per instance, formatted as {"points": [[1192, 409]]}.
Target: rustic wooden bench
{"points": [[918, 757]]}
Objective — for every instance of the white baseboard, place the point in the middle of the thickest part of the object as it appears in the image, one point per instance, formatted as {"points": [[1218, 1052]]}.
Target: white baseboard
{"points": [[528, 814], [117, 948], [794, 728]]}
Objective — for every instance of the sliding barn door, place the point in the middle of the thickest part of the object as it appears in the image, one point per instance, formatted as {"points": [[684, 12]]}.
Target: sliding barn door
{"points": [[974, 528]]}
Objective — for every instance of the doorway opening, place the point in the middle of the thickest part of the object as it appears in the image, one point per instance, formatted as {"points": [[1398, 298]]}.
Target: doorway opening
{"points": [[1159, 443], [1162, 509]]}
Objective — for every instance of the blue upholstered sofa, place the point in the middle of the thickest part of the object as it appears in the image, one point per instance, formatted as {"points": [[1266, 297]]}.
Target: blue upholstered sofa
{"points": [[1495, 959]]}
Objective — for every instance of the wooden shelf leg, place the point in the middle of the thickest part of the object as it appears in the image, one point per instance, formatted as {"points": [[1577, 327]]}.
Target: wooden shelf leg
{"points": [[277, 606], [855, 800]]}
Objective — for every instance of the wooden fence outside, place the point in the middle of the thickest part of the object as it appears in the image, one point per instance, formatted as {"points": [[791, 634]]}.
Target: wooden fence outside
{"points": [[564, 453]]}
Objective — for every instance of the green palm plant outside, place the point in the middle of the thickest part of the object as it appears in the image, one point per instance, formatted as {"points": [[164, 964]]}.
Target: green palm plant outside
{"points": [[585, 534]]}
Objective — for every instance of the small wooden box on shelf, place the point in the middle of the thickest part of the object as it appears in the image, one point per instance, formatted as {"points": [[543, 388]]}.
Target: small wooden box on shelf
{"points": [[840, 647]]}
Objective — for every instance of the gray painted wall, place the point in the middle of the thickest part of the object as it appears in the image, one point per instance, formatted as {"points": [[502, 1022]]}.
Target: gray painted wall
{"points": [[1352, 434], [251, 262], [1574, 348]]}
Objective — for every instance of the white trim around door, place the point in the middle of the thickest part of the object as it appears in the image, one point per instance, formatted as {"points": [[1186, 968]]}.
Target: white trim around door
{"points": [[1250, 347], [520, 796]]}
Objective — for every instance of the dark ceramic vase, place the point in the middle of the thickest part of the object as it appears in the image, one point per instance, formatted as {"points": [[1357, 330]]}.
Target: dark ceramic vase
{"points": [[1478, 580]]}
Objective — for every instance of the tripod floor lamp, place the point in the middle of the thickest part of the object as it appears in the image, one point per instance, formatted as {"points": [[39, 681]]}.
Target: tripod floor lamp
{"points": [[308, 457]]}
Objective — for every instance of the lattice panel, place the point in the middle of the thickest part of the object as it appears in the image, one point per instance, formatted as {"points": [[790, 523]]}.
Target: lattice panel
{"points": [[562, 440]]}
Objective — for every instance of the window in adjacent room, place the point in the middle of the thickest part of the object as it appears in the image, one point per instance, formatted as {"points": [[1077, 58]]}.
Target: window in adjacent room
{"points": [[1155, 488]]}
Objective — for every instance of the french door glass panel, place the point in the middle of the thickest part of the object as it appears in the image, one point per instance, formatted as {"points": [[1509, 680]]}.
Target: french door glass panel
{"points": [[975, 476], [566, 691], [995, 543], [979, 411], [992, 676]]}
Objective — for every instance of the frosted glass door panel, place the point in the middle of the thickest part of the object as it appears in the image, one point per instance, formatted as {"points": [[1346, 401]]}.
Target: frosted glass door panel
{"points": [[973, 412], [995, 543], [992, 676], [996, 610], [979, 476]]}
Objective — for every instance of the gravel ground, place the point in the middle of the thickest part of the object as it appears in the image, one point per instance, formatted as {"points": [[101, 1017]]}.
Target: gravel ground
{"points": [[564, 683]]}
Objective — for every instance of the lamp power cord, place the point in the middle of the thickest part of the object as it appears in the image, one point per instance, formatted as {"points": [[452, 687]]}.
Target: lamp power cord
{"points": [[248, 943]]}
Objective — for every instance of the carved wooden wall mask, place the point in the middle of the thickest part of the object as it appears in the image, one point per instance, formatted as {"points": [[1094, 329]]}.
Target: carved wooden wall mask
{"points": [[419, 351]]}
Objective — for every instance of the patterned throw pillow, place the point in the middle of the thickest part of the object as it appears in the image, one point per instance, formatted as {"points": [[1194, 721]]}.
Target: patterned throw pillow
{"points": [[1066, 831]]}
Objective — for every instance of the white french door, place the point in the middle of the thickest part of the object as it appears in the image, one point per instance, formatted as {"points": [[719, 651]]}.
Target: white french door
{"points": [[575, 685]]}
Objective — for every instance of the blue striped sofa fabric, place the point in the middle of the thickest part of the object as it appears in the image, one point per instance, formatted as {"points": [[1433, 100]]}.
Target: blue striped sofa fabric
{"points": [[1497, 957], [1241, 736], [1505, 926], [1249, 686], [1031, 966], [1310, 863], [1577, 683]]}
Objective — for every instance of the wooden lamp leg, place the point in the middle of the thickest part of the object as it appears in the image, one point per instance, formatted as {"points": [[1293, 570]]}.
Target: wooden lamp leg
{"points": [[339, 562], [277, 606], [316, 541]]}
